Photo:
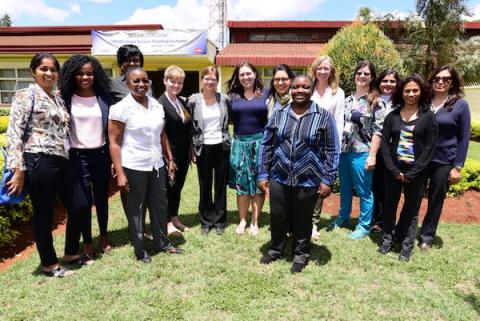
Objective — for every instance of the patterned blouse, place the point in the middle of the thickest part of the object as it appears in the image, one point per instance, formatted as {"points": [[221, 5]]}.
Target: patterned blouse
{"points": [[357, 137], [47, 130]]}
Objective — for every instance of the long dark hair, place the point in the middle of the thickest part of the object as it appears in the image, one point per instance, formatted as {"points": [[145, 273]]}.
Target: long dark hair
{"points": [[372, 92], [423, 102], [280, 67], [67, 81], [235, 87], [373, 72], [456, 87]]}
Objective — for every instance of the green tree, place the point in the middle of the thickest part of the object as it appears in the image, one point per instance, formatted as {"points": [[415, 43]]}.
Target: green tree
{"points": [[432, 39], [365, 14], [5, 20], [357, 42], [468, 59]]}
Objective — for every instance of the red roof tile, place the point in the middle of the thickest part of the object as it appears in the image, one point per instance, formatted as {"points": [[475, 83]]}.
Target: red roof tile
{"points": [[287, 24], [471, 25], [269, 54], [246, 24]]}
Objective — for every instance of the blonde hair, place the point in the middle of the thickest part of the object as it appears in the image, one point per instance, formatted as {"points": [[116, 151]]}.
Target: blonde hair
{"points": [[332, 80], [173, 72]]}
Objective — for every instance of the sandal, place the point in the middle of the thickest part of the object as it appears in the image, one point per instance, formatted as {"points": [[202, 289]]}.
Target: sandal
{"points": [[174, 250], [82, 260], [58, 272]]}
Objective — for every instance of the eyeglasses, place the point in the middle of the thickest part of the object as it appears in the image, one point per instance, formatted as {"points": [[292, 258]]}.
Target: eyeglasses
{"points": [[281, 79], [210, 79], [366, 74], [443, 79]]}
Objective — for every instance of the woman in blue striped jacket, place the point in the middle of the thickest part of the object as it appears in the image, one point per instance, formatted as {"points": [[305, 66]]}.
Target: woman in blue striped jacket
{"points": [[298, 163]]}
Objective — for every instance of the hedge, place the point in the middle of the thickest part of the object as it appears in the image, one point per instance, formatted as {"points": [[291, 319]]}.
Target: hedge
{"points": [[475, 135], [4, 111], [357, 42], [10, 217], [470, 179], [3, 124]]}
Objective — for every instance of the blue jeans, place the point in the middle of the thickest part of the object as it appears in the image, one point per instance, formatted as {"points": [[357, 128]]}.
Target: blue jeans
{"points": [[352, 175]]}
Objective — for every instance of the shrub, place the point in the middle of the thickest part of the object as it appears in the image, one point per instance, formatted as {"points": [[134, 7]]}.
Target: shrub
{"points": [[470, 178], [3, 124], [361, 42], [4, 111], [475, 131], [3, 140], [11, 216]]}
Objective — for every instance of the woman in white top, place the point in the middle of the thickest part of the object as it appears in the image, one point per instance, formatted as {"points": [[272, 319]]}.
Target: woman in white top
{"points": [[138, 146], [328, 95], [211, 150], [84, 87]]}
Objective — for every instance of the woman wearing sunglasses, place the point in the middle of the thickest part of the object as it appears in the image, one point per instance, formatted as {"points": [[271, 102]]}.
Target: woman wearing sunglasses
{"points": [[453, 117]]}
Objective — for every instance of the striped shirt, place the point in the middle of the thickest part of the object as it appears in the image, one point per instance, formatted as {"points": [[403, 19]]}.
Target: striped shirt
{"points": [[300, 151], [406, 145]]}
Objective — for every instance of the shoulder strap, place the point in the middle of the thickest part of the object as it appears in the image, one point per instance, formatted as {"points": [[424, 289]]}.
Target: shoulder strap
{"points": [[25, 132]]}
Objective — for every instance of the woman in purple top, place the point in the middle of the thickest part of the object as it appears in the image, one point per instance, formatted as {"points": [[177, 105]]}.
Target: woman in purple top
{"points": [[453, 117], [249, 115]]}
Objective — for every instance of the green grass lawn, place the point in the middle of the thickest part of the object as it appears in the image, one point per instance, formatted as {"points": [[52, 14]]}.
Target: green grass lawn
{"points": [[472, 95], [474, 150], [220, 278]]}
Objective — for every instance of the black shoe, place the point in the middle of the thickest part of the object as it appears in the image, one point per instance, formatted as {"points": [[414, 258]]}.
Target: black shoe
{"points": [[205, 230], [405, 255], [424, 246], [384, 248], [219, 230], [267, 259], [145, 258], [298, 267]]}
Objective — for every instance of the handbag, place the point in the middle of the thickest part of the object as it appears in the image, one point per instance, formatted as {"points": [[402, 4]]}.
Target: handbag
{"points": [[7, 173]]}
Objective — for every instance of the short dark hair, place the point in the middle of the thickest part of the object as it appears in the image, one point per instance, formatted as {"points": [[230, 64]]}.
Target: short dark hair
{"points": [[127, 51], [423, 102], [386, 73], [280, 67], [38, 57], [131, 69]]}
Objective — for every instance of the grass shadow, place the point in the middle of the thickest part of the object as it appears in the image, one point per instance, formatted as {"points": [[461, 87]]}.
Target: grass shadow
{"points": [[472, 298]]}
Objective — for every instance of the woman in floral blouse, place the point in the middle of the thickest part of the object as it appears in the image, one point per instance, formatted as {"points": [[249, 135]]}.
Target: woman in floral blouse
{"points": [[364, 115], [38, 152]]}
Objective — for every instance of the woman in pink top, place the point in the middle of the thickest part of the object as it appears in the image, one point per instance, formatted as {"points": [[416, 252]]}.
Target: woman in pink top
{"points": [[84, 87]]}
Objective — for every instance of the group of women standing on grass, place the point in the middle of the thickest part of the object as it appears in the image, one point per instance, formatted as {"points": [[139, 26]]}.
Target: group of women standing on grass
{"points": [[388, 135]]}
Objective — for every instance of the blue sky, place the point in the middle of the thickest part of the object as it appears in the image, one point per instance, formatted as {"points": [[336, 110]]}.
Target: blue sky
{"points": [[190, 13]]}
